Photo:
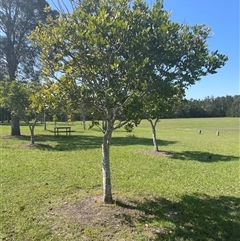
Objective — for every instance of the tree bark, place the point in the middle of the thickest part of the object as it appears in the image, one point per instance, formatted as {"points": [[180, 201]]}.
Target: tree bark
{"points": [[32, 134], [84, 121], [104, 126], [15, 125], [107, 187], [44, 122], [154, 135]]}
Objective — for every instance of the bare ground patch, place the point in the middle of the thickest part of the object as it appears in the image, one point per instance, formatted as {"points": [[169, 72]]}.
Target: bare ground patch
{"points": [[90, 219]]}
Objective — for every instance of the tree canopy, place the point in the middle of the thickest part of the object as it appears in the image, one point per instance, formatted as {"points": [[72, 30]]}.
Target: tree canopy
{"points": [[17, 20], [24, 100]]}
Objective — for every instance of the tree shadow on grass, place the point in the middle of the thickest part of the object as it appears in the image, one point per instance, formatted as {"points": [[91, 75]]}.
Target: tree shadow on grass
{"points": [[84, 142], [196, 217], [202, 156]]}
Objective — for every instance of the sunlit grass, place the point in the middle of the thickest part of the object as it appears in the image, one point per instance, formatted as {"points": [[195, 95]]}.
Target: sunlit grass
{"points": [[36, 179]]}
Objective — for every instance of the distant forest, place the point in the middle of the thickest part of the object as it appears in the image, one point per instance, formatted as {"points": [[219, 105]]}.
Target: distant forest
{"points": [[227, 106]]}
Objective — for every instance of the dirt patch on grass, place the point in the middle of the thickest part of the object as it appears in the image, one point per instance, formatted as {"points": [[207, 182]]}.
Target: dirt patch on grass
{"points": [[91, 210], [90, 219]]}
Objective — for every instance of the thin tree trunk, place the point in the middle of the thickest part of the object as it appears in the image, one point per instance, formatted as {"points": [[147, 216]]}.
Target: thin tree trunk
{"points": [[83, 114], [107, 187], [15, 125], [32, 133], [104, 127], [84, 121], [154, 135], [44, 122]]}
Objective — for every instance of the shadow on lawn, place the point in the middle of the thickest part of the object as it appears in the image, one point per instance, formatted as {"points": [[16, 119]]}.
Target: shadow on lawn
{"points": [[84, 142], [202, 156], [197, 217]]}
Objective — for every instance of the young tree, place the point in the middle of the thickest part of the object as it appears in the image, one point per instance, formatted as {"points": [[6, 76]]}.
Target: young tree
{"points": [[117, 51], [17, 57], [24, 100], [159, 102]]}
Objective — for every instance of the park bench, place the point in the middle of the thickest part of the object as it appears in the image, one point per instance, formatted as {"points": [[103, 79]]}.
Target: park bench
{"points": [[59, 129]]}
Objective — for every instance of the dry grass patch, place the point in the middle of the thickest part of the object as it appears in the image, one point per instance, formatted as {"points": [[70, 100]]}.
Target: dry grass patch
{"points": [[94, 220]]}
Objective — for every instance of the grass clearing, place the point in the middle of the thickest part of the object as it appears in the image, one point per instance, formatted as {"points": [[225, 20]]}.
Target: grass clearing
{"points": [[53, 191]]}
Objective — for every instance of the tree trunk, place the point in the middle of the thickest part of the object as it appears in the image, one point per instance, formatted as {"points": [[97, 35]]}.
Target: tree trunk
{"points": [[107, 187], [154, 135], [32, 134], [104, 126], [44, 122], [15, 125], [83, 115], [84, 121]]}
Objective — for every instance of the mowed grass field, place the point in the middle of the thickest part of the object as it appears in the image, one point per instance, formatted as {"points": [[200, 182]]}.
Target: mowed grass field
{"points": [[52, 191]]}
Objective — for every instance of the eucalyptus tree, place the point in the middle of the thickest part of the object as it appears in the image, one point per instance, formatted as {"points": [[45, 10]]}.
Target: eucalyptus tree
{"points": [[18, 58], [117, 52]]}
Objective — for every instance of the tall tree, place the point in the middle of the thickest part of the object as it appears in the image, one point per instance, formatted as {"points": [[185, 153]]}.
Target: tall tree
{"points": [[18, 58], [117, 50]]}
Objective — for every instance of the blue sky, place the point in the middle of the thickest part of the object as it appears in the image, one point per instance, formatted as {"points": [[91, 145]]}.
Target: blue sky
{"points": [[223, 17]]}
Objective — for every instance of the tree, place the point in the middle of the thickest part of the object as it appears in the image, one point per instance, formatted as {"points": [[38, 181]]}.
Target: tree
{"points": [[117, 51], [17, 57], [24, 100], [159, 103]]}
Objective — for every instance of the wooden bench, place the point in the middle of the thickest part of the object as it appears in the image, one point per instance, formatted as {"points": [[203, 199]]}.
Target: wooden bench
{"points": [[66, 129]]}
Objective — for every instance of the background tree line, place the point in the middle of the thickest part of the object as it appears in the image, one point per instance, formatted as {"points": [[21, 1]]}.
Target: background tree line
{"points": [[225, 106]]}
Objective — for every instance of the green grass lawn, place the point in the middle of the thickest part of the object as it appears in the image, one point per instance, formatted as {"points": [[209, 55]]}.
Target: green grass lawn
{"points": [[181, 196]]}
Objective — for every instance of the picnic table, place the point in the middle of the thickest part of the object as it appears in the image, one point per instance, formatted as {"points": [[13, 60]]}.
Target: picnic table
{"points": [[66, 129]]}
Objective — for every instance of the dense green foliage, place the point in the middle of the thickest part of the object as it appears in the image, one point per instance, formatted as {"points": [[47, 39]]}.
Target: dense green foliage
{"points": [[209, 107], [28, 101], [18, 58], [186, 196]]}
